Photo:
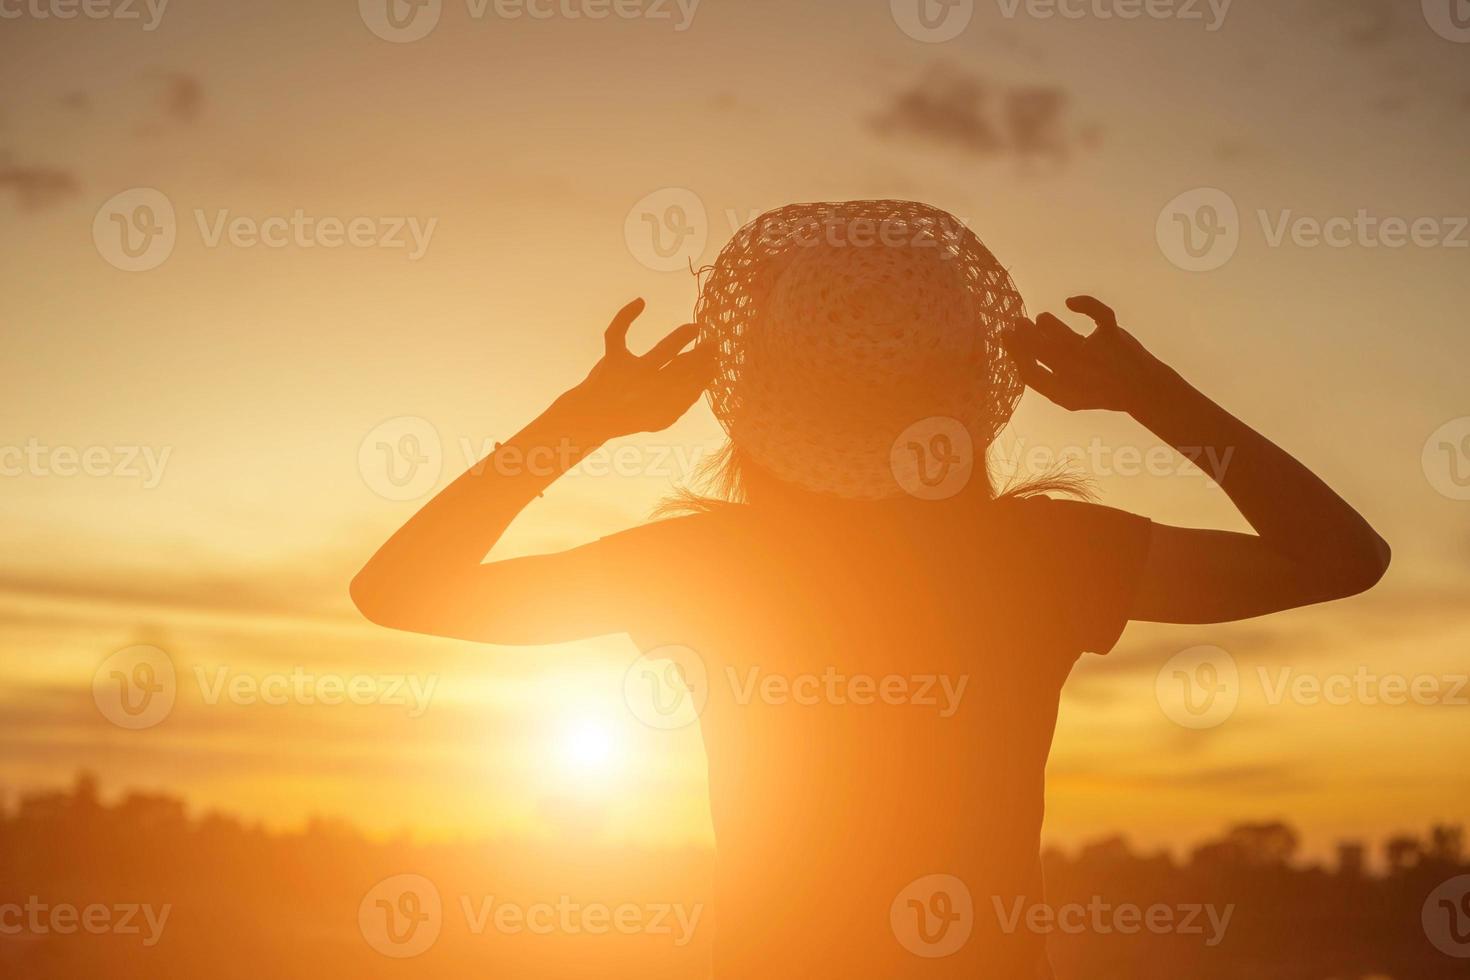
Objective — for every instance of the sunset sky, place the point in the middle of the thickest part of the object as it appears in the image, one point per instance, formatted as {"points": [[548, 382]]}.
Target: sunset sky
{"points": [[527, 151]]}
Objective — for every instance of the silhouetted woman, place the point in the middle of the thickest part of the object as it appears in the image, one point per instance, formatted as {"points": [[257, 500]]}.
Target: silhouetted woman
{"points": [[879, 636]]}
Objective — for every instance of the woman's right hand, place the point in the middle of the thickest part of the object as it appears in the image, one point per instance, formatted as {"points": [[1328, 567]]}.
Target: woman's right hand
{"points": [[1107, 369], [626, 393]]}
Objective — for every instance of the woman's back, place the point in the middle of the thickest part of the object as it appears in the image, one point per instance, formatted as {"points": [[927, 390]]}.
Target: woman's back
{"points": [[879, 696]]}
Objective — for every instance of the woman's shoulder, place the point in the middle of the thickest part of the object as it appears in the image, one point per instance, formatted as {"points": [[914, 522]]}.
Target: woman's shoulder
{"points": [[1045, 531], [1060, 513]]}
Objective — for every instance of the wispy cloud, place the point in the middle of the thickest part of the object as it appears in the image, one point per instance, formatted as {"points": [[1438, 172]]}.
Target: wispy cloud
{"points": [[37, 187], [961, 111]]}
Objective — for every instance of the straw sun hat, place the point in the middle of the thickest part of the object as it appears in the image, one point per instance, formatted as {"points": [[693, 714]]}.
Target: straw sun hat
{"points": [[859, 347]]}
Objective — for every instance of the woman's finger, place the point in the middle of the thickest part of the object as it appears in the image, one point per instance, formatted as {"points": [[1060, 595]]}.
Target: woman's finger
{"points": [[1054, 340], [1040, 379], [664, 351], [1096, 310], [616, 336], [685, 377], [1053, 328], [1020, 340]]}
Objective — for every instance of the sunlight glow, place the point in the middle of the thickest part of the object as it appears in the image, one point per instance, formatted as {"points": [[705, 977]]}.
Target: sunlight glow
{"points": [[590, 748]]}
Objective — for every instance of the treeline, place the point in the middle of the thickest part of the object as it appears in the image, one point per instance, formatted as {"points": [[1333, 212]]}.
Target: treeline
{"points": [[139, 888]]}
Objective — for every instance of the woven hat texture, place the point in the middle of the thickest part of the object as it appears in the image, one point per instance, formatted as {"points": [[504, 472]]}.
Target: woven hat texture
{"points": [[839, 327]]}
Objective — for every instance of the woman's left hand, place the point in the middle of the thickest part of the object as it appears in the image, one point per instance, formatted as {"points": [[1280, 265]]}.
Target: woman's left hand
{"points": [[1106, 369]]}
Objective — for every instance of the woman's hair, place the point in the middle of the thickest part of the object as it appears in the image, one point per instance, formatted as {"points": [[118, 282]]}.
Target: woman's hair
{"points": [[730, 477]]}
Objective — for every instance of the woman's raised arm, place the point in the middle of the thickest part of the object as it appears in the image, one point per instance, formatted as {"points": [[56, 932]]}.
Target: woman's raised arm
{"points": [[430, 576], [1310, 545]]}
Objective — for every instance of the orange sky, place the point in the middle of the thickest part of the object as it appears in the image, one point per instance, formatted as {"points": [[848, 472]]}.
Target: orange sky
{"points": [[527, 143]]}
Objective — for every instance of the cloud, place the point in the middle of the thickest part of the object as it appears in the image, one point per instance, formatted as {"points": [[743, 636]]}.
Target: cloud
{"points": [[950, 110], [1366, 23], [1257, 780], [311, 586], [242, 594], [1387, 42], [1231, 151], [1313, 638], [966, 113], [37, 188], [182, 98]]}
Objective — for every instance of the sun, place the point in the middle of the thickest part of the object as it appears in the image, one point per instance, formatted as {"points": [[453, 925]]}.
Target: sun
{"points": [[589, 750]]}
